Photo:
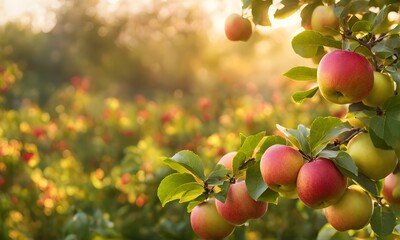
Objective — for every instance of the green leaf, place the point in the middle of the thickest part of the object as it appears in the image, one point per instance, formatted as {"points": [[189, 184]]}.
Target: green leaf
{"points": [[395, 30], [298, 97], [298, 137], [344, 162], [380, 18], [259, 11], [186, 161], [361, 26], [366, 183], [382, 50], [354, 7], [386, 127], [196, 202], [269, 196], [247, 150], [383, 220], [306, 43], [302, 73], [330, 154], [323, 130], [221, 196], [246, 3], [176, 185], [254, 181], [250, 143], [289, 7], [238, 161], [191, 191], [217, 175]]}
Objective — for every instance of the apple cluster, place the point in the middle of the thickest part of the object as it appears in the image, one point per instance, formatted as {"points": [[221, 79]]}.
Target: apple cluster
{"points": [[214, 219], [316, 182], [319, 184]]}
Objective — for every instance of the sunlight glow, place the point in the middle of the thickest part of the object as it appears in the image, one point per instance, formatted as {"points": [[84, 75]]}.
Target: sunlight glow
{"points": [[40, 14]]}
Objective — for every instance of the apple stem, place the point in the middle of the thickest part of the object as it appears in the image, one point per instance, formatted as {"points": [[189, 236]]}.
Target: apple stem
{"points": [[245, 163], [336, 144], [307, 157], [369, 42]]}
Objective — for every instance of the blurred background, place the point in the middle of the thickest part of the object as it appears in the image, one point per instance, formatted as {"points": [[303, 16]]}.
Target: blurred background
{"points": [[95, 93]]}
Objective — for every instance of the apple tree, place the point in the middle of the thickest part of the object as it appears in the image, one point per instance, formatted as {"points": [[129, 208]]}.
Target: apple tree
{"points": [[348, 167]]}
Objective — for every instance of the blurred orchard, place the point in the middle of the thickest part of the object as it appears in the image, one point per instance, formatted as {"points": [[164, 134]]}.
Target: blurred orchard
{"points": [[95, 93]]}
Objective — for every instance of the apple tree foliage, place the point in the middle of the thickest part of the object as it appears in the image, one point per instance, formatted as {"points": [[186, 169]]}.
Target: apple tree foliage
{"points": [[364, 27]]}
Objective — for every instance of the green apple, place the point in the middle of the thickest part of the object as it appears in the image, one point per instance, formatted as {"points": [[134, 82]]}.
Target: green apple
{"points": [[391, 188], [279, 166], [227, 161], [239, 206], [383, 89], [207, 223], [371, 161], [345, 77], [238, 28], [320, 183], [355, 119], [353, 211], [323, 20]]}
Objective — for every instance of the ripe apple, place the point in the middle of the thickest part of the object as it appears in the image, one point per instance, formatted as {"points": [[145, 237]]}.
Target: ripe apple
{"points": [[323, 20], [373, 162], [279, 166], [239, 206], [353, 211], [391, 188], [207, 223], [320, 183], [238, 28], [383, 89], [227, 161], [345, 77]]}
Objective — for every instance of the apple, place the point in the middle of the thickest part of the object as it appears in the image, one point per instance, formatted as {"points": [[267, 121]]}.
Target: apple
{"points": [[238, 28], [353, 211], [323, 20], [279, 166], [345, 77], [391, 188], [320, 183], [239, 206], [382, 89], [371, 161], [355, 119], [207, 223], [227, 161]]}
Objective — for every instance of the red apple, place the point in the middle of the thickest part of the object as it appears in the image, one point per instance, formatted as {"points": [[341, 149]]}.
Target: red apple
{"points": [[227, 161], [353, 211], [279, 166], [239, 206], [207, 223], [391, 188], [320, 183], [345, 77], [238, 28]]}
